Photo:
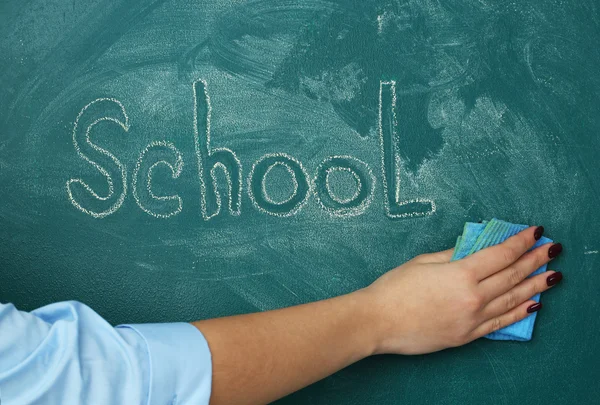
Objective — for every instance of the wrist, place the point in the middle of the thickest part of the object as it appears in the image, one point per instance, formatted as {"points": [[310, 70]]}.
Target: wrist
{"points": [[365, 322]]}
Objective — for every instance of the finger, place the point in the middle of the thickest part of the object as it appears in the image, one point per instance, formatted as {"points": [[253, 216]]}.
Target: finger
{"points": [[508, 318], [504, 280], [495, 258], [521, 293]]}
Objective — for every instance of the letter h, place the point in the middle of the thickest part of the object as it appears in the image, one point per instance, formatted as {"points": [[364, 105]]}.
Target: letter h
{"points": [[211, 159]]}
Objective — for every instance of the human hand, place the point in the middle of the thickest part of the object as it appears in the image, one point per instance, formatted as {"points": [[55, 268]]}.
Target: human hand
{"points": [[429, 303]]}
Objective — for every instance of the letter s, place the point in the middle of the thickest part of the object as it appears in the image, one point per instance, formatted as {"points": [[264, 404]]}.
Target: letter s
{"points": [[98, 206]]}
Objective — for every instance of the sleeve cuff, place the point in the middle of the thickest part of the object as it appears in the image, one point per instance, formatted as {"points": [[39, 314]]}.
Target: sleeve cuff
{"points": [[180, 361]]}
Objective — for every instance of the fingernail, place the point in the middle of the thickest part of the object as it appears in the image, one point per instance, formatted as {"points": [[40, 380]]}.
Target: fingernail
{"points": [[534, 307], [554, 250], [554, 279], [539, 231]]}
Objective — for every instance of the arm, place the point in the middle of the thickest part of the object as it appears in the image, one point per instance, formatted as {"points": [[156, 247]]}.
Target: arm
{"points": [[66, 353], [425, 305], [260, 357]]}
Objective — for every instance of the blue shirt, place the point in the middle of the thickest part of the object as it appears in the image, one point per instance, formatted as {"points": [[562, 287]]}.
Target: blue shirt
{"points": [[65, 353]]}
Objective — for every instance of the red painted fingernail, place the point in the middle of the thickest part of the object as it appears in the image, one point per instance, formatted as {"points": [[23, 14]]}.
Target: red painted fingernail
{"points": [[554, 250], [534, 307], [539, 231], [554, 279]]}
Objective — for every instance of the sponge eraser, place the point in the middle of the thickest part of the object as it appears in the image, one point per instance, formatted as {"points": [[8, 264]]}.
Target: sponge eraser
{"points": [[477, 236]]}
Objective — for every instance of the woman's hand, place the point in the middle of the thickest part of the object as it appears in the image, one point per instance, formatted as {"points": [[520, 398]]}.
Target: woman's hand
{"points": [[429, 303], [425, 305]]}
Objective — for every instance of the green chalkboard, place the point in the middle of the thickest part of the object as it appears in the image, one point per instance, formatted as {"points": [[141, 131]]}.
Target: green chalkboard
{"points": [[180, 160]]}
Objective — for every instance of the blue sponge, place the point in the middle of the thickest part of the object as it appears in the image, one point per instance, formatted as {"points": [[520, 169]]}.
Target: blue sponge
{"points": [[477, 236]]}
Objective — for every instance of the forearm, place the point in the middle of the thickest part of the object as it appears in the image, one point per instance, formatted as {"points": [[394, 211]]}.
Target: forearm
{"points": [[425, 305], [260, 357]]}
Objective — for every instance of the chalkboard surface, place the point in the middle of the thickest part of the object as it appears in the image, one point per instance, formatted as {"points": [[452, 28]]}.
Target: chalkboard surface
{"points": [[180, 160]]}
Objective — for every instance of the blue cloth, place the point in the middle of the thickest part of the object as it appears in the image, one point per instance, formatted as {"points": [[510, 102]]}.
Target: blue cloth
{"points": [[477, 236], [65, 353]]}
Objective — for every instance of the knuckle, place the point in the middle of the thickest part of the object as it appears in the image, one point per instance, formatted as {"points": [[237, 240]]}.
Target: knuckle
{"points": [[507, 255], [511, 300], [514, 276], [496, 325], [467, 273], [479, 300], [474, 302], [510, 253], [534, 259]]}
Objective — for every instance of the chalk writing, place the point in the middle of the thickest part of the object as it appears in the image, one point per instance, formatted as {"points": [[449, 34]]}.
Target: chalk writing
{"points": [[85, 148], [363, 195], [391, 164], [210, 160], [165, 209], [258, 193]]}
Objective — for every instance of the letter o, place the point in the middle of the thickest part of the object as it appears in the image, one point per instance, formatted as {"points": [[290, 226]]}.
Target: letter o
{"points": [[258, 193], [363, 195]]}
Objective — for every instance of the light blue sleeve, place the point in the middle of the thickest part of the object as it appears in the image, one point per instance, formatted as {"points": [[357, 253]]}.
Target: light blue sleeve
{"points": [[65, 353]]}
